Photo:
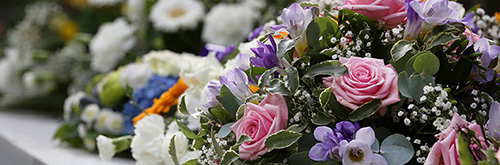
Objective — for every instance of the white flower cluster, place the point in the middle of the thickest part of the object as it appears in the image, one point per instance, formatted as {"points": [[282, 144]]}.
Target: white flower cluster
{"points": [[392, 35], [488, 26], [100, 3], [209, 156]]}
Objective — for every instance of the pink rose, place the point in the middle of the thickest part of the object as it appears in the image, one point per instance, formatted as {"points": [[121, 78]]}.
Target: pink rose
{"points": [[445, 150], [368, 79], [388, 12], [260, 121]]}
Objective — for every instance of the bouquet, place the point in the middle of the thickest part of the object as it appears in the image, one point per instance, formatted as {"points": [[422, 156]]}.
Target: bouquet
{"points": [[382, 82]]}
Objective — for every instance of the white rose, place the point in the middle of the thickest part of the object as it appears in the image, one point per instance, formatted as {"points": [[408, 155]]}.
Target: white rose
{"points": [[106, 147]]}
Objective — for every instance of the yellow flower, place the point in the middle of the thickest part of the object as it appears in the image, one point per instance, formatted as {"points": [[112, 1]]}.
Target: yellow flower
{"points": [[66, 27], [166, 100]]}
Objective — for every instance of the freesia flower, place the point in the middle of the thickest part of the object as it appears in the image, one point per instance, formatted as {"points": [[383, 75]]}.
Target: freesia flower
{"points": [[436, 12], [413, 24], [237, 82], [345, 130], [388, 12], [489, 52], [328, 148], [258, 122], [266, 55], [295, 20], [172, 15], [493, 125], [359, 151], [220, 51], [255, 33]]}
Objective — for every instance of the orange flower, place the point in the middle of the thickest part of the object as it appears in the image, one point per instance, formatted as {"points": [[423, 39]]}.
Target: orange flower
{"points": [[281, 35], [166, 100], [253, 88], [497, 15]]}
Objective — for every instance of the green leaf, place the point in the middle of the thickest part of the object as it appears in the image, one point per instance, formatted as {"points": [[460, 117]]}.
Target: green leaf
{"points": [[216, 146], [376, 146], [221, 114], [278, 86], [228, 100], [442, 39], [329, 102], [67, 132], [321, 27], [491, 157], [321, 119], [293, 79], [229, 157], [240, 112], [366, 110], [281, 139], [283, 47], [242, 139], [224, 130], [172, 151], [300, 158], [191, 162], [357, 21], [266, 76], [297, 127], [400, 48], [256, 70], [403, 82], [396, 149], [186, 131], [426, 63], [463, 150], [182, 106], [417, 84], [331, 67]]}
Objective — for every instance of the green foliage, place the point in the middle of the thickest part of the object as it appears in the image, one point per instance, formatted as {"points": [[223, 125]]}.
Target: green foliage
{"points": [[426, 63], [320, 31], [229, 157], [282, 139], [224, 130], [396, 149], [329, 102], [330, 68], [68, 133], [172, 150], [186, 131], [366, 110], [466, 156], [230, 102]]}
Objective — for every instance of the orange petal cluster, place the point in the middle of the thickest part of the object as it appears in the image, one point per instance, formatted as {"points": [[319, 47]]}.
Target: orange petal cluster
{"points": [[166, 100]]}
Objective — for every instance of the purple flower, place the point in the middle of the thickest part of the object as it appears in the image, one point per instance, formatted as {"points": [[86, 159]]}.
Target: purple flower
{"points": [[493, 124], [220, 51], [295, 20], [436, 12], [413, 22], [359, 151], [266, 55], [255, 33], [345, 130], [489, 52], [469, 21], [236, 80], [328, 148]]}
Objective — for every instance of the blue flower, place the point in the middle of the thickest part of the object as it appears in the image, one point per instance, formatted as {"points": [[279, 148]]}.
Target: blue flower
{"points": [[153, 89], [266, 55], [129, 112]]}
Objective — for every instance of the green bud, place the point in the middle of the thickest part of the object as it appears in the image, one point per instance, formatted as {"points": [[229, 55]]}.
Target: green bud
{"points": [[111, 91]]}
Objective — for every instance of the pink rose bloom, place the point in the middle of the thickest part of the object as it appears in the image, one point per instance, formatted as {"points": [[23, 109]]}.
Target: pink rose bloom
{"points": [[445, 150], [258, 122], [388, 12], [368, 79]]}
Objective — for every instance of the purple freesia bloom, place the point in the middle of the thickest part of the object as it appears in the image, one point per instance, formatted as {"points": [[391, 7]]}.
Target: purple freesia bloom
{"points": [[220, 51], [327, 148], [255, 33], [493, 124], [489, 52], [358, 151], [413, 22], [436, 12], [345, 130], [295, 20], [236, 80], [469, 21], [266, 55]]}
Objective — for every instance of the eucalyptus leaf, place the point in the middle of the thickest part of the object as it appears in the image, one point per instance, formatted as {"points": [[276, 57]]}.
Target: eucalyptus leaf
{"points": [[417, 84], [442, 39], [228, 100], [229, 157], [426, 63], [281, 139], [186, 131], [403, 82], [396, 149], [366, 110], [225, 130], [172, 150], [330, 68], [376, 146]]}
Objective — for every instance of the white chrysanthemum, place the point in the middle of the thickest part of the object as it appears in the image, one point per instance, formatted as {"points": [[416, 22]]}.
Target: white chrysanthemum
{"points": [[110, 44], [135, 11], [114, 123], [102, 120], [99, 3], [172, 15], [228, 24], [89, 143], [147, 143], [90, 113], [82, 130], [166, 62], [71, 102], [106, 147], [135, 75]]}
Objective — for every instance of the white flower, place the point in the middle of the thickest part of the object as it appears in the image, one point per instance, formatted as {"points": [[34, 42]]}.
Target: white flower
{"points": [[228, 24], [106, 147], [89, 143], [172, 15], [114, 123], [135, 11], [181, 148], [167, 62], [71, 102], [244, 47], [10, 69], [407, 121], [90, 113], [99, 3], [110, 44], [103, 120], [147, 143], [135, 75], [82, 130]]}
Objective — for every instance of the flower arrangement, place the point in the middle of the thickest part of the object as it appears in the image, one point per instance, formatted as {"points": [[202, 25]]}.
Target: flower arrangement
{"points": [[409, 82]]}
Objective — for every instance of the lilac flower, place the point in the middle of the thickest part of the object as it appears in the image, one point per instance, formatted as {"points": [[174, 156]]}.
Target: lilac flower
{"points": [[436, 12], [345, 130], [328, 148], [255, 33], [295, 20], [493, 124], [359, 151], [489, 52], [266, 55], [413, 22], [220, 51], [236, 80], [469, 21]]}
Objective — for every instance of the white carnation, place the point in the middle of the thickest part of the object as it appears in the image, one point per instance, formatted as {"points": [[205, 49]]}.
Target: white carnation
{"points": [[147, 143], [99, 3], [228, 24], [106, 147], [71, 102], [135, 75], [110, 44], [114, 123], [90, 113], [172, 15]]}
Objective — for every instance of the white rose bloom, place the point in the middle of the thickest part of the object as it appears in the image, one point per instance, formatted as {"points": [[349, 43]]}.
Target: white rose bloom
{"points": [[228, 24], [110, 44], [90, 113], [114, 123], [71, 102], [147, 143], [172, 15], [135, 75], [99, 3], [167, 62], [106, 147]]}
